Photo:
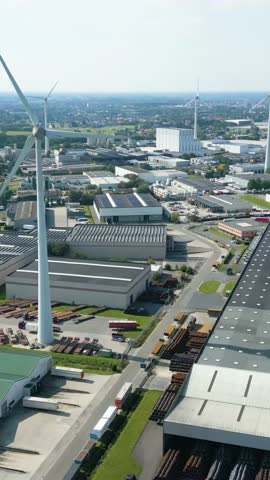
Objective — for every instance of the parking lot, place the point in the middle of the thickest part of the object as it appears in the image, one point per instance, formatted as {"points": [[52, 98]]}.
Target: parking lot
{"points": [[32, 436]]}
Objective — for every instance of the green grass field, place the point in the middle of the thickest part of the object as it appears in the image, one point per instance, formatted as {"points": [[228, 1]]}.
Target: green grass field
{"points": [[260, 202], [88, 213], [209, 287], [109, 130], [142, 321], [119, 460], [228, 287], [218, 232], [95, 364]]}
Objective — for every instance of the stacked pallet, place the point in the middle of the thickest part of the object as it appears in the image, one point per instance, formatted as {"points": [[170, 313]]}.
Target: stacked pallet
{"points": [[182, 362], [169, 466], [198, 463], [178, 379], [164, 403], [176, 345], [264, 471], [245, 468]]}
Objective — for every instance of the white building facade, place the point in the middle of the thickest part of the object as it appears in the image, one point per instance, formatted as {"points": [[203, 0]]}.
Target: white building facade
{"points": [[177, 140]]}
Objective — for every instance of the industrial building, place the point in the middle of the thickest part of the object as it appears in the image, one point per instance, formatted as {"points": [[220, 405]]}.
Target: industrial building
{"points": [[234, 147], [194, 186], [223, 203], [177, 140], [105, 180], [242, 181], [225, 398], [240, 229], [127, 208], [167, 162], [109, 284], [16, 251], [19, 372], [246, 168], [119, 241], [22, 213], [150, 176]]}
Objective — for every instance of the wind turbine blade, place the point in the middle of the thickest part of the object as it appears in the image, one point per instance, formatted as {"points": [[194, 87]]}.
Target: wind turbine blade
{"points": [[263, 100], [190, 102], [31, 115], [52, 89], [26, 149]]}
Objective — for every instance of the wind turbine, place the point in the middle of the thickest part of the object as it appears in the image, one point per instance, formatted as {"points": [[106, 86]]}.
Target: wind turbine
{"points": [[264, 101], [45, 100], [195, 100], [45, 334]]}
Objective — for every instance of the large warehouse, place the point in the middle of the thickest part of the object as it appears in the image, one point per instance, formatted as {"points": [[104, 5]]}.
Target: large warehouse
{"points": [[127, 208], [226, 396], [133, 242], [109, 284], [18, 369]]}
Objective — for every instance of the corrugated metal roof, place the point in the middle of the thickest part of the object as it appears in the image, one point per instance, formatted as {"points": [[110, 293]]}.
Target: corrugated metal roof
{"points": [[118, 234]]}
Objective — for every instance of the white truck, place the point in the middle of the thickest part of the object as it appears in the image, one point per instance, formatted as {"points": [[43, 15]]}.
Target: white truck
{"points": [[40, 403]]}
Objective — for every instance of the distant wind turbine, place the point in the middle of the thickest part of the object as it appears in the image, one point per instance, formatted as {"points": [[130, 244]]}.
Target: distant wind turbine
{"points": [[195, 101], [265, 101]]}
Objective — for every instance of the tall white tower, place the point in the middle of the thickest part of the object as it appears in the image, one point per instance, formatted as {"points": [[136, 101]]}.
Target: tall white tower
{"points": [[267, 153]]}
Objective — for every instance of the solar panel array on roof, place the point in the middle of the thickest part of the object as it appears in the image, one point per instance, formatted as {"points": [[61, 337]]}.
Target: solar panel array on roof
{"points": [[126, 200], [118, 234]]}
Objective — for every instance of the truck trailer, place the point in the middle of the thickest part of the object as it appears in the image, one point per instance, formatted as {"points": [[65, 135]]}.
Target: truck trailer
{"points": [[40, 403], [123, 394], [123, 324], [67, 372]]}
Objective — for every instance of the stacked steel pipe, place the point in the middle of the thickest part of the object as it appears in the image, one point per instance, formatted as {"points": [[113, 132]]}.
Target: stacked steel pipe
{"points": [[178, 378], [221, 467], [164, 403], [264, 471], [245, 468], [170, 465], [198, 463], [176, 345], [182, 362]]}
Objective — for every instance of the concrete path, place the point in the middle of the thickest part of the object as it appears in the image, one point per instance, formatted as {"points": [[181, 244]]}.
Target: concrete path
{"points": [[148, 450]]}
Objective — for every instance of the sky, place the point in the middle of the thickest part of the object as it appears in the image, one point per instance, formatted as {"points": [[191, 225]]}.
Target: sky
{"points": [[136, 45]]}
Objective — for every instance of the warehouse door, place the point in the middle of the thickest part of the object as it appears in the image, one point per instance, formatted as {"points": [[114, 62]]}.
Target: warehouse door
{"points": [[131, 300]]}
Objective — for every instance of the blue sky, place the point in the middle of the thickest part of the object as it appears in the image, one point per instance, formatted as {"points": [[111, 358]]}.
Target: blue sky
{"points": [[136, 45]]}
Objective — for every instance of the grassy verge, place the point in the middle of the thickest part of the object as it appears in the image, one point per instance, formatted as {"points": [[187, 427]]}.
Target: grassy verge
{"points": [[228, 287], [142, 321], [218, 232], [88, 213], [209, 287], [119, 460], [95, 364], [3, 292], [260, 202]]}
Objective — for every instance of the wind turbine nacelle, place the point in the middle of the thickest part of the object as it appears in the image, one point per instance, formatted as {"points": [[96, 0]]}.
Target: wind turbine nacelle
{"points": [[38, 133]]}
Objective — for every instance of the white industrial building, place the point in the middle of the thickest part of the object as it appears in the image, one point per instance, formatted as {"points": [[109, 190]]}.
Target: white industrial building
{"points": [[150, 176], [225, 398], [246, 168], [238, 148], [18, 370], [167, 162], [127, 208], [109, 284], [177, 140], [105, 180], [133, 242]]}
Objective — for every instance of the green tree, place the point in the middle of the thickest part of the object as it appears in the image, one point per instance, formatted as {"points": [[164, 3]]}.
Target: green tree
{"points": [[174, 217]]}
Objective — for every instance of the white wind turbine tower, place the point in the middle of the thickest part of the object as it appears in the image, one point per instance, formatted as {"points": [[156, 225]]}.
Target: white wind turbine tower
{"points": [[45, 334], [195, 100], [265, 101]]}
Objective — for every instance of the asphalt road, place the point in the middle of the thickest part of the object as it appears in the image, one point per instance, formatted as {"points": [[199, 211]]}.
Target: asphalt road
{"points": [[59, 464]]}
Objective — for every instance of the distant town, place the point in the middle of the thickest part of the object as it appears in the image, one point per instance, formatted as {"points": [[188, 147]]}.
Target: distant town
{"points": [[143, 221]]}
